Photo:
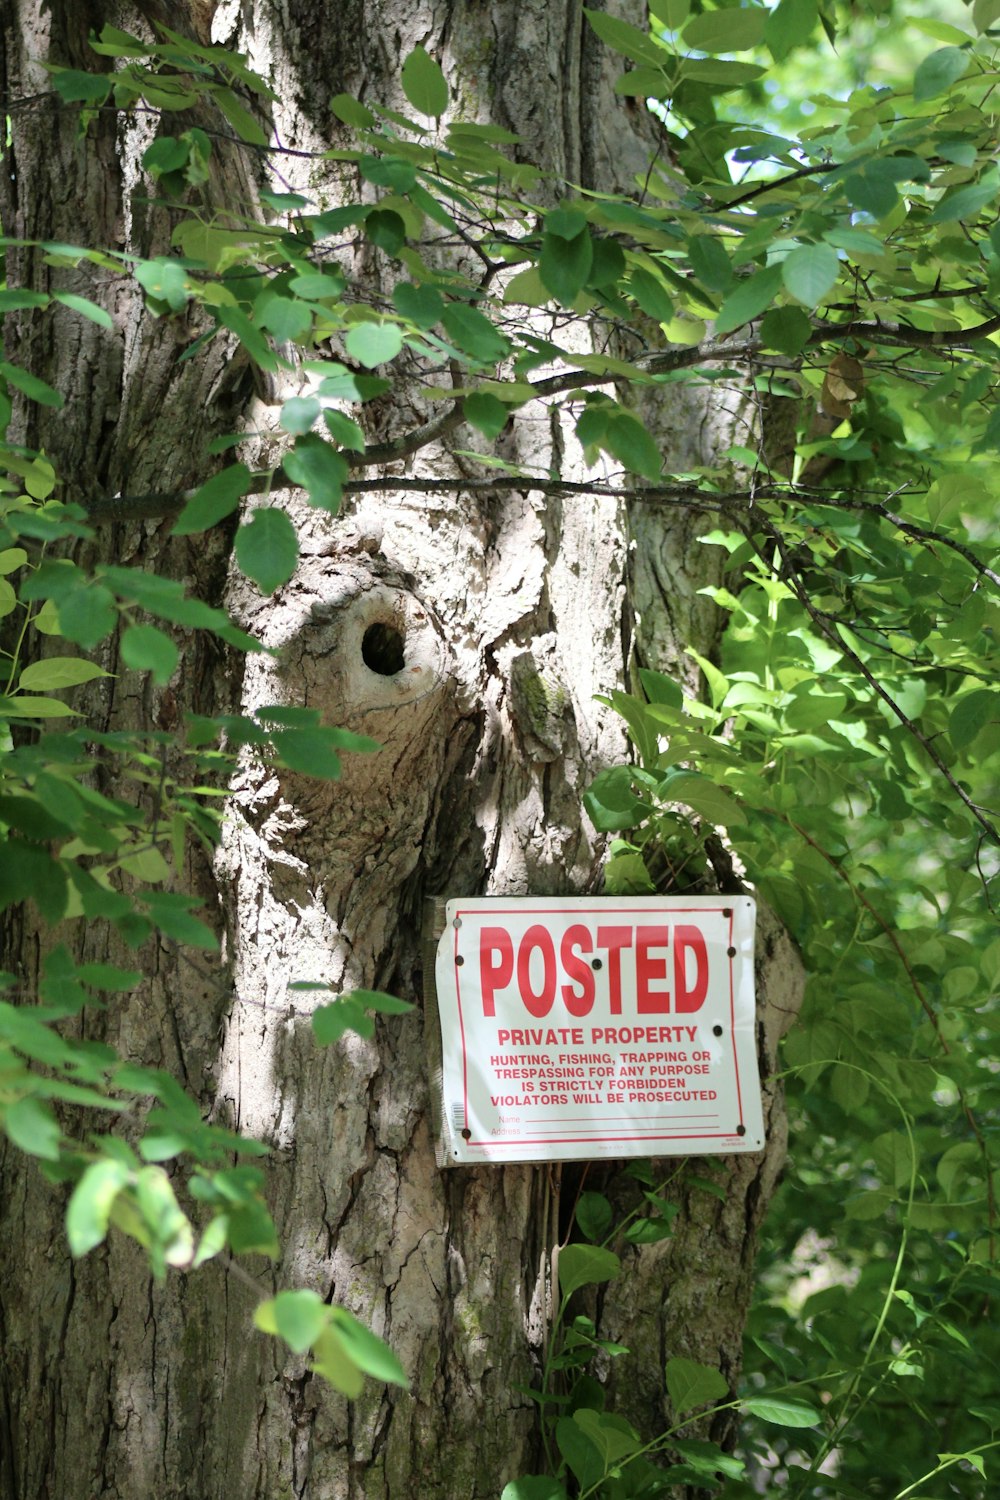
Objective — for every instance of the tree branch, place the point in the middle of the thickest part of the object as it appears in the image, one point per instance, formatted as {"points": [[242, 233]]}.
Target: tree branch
{"points": [[795, 583], [159, 504], [780, 182], [925, 534], [905, 336]]}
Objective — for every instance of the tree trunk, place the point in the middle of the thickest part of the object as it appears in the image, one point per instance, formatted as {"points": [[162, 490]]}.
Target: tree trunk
{"points": [[112, 1386]]}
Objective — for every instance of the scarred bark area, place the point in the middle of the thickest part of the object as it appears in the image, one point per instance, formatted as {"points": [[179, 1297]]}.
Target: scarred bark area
{"points": [[112, 1387]]}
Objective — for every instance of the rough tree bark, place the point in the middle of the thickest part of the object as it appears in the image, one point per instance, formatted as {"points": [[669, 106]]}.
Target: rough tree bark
{"points": [[111, 1386]]}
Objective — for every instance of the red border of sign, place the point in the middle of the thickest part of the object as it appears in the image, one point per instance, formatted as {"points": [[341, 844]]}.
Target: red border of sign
{"points": [[596, 1140]]}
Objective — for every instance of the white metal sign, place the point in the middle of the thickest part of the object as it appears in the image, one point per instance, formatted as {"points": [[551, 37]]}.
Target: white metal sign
{"points": [[580, 1027]]}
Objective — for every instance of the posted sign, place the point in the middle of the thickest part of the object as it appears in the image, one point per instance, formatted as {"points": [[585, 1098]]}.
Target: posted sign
{"points": [[582, 1027]]}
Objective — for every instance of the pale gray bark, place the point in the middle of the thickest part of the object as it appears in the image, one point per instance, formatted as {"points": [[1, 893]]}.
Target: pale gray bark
{"points": [[111, 1386]]}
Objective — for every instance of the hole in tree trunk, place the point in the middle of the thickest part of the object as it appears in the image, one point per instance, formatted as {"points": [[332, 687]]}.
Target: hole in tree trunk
{"points": [[382, 649]]}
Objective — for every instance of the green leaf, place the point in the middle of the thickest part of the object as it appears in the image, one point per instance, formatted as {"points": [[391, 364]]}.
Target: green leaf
{"points": [[612, 1436], [966, 202], [625, 874], [728, 75], [108, 976], [585, 1265], [611, 802], [30, 385], [423, 305], [318, 286], [659, 688], [298, 1316], [691, 1384], [626, 39], [267, 548], [752, 297], [581, 1455], [319, 469], [367, 1351], [47, 619], [389, 171], [627, 440], [710, 262], [172, 915], [474, 333], [710, 801], [534, 1487], [651, 294], [27, 815], [345, 431], [33, 1127], [251, 1231], [332, 1361], [971, 713], [144, 648], [286, 319], [564, 265], [213, 1240], [936, 74], [217, 498], [788, 26], [486, 413], [373, 344], [608, 265], [348, 109], [167, 154], [85, 308], [424, 84], [309, 751], [809, 272], [59, 672], [718, 682], [566, 222], [730, 30], [348, 1013], [386, 229], [88, 1213], [706, 1461], [74, 87], [165, 280], [87, 615], [781, 1412], [116, 43], [594, 1215], [12, 299], [985, 14], [239, 117], [26, 706], [331, 1022], [299, 413], [673, 13], [786, 329]]}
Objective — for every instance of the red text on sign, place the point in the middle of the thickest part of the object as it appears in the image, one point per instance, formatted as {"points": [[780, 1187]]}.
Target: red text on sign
{"points": [[642, 952]]}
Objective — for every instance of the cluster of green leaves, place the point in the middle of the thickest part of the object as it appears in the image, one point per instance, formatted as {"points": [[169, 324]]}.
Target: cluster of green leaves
{"points": [[847, 739], [88, 856], [600, 1454], [879, 217], [848, 742]]}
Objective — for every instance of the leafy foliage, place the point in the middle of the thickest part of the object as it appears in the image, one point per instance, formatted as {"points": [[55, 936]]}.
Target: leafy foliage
{"points": [[845, 264]]}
